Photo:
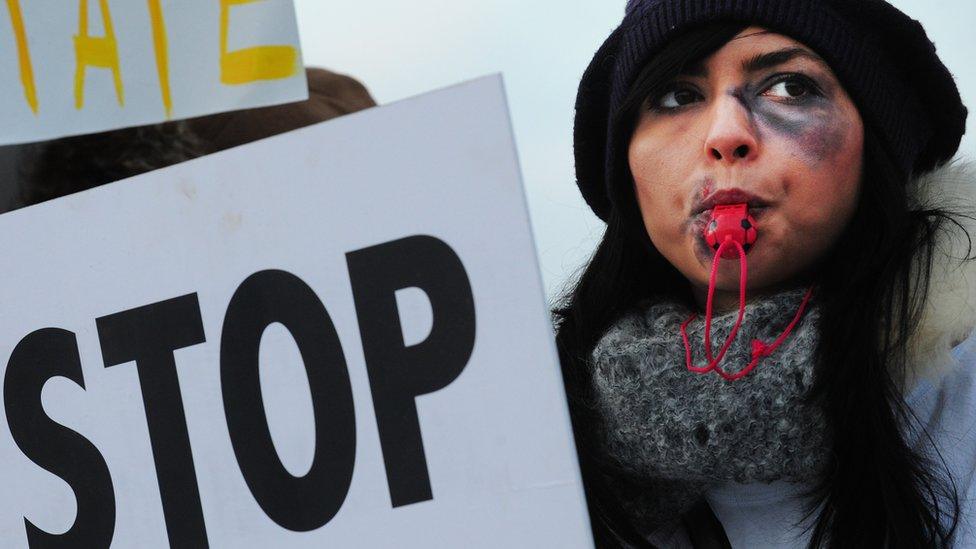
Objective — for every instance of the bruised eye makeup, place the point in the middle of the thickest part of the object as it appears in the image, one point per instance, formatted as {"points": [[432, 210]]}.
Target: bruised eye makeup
{"points": [[790, 88]]}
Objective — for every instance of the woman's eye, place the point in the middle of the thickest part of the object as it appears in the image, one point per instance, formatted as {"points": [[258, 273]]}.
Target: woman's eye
{"points": [[792, 87], [677, 98]]}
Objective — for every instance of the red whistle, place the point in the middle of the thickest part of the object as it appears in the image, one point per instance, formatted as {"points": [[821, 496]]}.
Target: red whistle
{"points": [[730, 224], [731, 221]]}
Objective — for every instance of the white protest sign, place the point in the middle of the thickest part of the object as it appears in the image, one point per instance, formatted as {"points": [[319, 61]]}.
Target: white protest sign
{"points": [[84, 66], [336, 337]]}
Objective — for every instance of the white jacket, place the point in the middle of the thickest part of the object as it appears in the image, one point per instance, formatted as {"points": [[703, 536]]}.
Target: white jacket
{"points": [[950, 310]]}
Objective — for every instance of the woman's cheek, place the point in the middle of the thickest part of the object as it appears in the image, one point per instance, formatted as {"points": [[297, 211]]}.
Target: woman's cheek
{"points": [[805, 236]]}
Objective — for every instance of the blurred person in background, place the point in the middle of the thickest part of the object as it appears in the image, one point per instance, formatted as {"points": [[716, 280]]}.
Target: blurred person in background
{"points": [[68, 165]]}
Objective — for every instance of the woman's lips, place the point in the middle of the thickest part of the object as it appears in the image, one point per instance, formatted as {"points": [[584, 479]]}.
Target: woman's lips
{"points": [[702, 218], [699, 221], [701, 215], [728, 196]]}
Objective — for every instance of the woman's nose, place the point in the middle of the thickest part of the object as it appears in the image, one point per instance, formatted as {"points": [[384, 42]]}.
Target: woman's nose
{"points": [[731, 135]]}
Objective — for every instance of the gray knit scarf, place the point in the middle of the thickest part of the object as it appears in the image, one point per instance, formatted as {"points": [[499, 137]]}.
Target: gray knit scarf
{"points": [[672, 432]]}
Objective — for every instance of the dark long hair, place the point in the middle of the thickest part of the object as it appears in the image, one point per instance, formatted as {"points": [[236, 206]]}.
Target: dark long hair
{"points": [[877, 490]]}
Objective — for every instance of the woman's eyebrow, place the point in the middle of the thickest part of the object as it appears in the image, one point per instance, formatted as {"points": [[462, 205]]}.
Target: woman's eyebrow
{"points": [[773, 58], [760, 61]]}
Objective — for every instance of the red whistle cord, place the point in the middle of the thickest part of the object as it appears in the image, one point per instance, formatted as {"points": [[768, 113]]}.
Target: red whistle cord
{"points": [[760, 349]]}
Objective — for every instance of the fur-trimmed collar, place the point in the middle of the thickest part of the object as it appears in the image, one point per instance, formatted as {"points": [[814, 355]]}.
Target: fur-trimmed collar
{"points": [[949, 314]]}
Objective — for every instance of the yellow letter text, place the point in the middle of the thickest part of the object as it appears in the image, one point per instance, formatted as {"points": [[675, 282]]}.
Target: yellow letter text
{"points": [[256, 63], [96, 51], [23, 54], [162, 53]]}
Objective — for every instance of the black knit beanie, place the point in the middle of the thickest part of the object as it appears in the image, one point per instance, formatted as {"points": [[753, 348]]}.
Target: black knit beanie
{"points": [[882, 57]]}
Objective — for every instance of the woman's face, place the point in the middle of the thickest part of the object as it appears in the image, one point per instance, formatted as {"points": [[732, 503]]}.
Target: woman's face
{"points": [[764, 121]]}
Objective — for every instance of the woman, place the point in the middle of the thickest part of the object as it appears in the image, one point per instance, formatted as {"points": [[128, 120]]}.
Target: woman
{"points": [[829, 410]]}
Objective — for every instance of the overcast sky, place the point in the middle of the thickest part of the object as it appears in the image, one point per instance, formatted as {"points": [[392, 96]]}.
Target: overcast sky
{"points": [[399, 49]]}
